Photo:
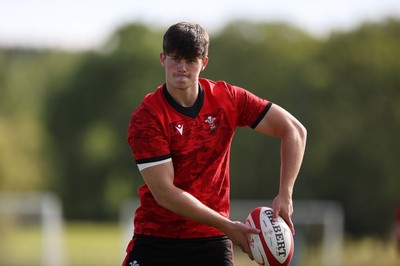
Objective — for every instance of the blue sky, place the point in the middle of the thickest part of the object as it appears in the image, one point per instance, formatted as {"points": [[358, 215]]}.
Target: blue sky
{"points": [[85, 24]]}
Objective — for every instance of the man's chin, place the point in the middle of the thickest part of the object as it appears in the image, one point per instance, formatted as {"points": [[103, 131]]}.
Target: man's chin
{"points": [[182, 79], [182, 83]]}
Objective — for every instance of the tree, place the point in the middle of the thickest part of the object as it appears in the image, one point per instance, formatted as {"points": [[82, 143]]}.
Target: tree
{"points": [[88, 119], [357, 123]]}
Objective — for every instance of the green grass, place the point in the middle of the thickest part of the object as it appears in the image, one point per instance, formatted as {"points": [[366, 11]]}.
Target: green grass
{"points": [[94, 244], [97, 244], [85, 244], [20, 246]]}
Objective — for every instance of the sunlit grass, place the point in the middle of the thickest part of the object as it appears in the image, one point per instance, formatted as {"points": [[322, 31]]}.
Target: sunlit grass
{"points": [[370, 252], [93, 244], [84, 244], [20, 246]]}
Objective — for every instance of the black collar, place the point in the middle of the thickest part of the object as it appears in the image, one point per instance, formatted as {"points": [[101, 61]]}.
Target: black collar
{"points": [[191, 111]]}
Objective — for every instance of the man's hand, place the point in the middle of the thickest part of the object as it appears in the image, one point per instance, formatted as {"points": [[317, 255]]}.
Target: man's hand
{"points": [[283, 206], [239, 232]]}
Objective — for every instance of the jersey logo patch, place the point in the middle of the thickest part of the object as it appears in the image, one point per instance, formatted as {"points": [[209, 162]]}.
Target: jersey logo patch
{"points": [[211, 121], [179, 127]]}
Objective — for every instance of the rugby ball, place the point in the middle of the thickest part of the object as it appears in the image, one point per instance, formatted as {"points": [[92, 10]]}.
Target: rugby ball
{"points": [[274, 245]]}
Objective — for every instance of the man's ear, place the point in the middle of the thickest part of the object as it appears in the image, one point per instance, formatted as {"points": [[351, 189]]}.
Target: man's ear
{"points": [[162, 59], [205, 62]]}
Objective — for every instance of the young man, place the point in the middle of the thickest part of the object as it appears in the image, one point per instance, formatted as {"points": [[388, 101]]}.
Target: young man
{"points": [[181, 136]]}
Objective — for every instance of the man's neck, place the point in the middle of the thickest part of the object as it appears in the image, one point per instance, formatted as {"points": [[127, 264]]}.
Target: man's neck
{"points": [[185, 97]]}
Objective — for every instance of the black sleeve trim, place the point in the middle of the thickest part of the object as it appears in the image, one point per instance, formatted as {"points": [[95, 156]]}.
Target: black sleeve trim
{"points": [[261, 116], [153, 159]]}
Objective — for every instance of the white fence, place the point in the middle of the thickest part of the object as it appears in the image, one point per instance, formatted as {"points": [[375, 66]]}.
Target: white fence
{"points": [[48, 208]]}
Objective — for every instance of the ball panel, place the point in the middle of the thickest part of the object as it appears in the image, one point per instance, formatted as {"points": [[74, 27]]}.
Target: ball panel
{"points": [[276, 235], [274, 245], [257, 246]]}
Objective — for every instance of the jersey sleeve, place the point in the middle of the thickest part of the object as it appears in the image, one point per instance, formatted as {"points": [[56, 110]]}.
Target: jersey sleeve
{"points": [[147, 140], [251, 108]]}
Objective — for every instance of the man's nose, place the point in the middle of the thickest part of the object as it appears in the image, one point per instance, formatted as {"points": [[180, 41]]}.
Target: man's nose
{"points": [[181, 65]]}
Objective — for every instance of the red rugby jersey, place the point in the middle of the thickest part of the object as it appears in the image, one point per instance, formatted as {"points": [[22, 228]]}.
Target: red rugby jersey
{"points": [[197, 140]]}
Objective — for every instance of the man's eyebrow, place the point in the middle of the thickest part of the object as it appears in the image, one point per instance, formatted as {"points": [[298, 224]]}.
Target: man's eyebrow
{"points": [[173, 55]]}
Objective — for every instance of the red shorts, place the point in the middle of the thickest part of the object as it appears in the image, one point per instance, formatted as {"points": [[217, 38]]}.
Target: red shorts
{"points": [[154, 251]]}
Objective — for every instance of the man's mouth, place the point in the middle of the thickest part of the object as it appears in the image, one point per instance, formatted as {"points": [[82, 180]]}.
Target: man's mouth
{"points": [[181, 76]]}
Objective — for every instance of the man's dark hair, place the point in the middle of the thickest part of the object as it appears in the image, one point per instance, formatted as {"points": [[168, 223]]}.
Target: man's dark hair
{"points": [[186, 40]]}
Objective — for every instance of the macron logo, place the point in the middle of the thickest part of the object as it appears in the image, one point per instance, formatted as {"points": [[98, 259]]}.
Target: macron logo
{"points": [[179, 127]]}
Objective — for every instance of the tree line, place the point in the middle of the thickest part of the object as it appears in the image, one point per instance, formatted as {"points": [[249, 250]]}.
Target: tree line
{"points": [[64, 116]]}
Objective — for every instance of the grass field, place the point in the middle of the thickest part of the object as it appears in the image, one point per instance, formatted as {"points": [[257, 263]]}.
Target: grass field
{"points": [[94, 244]]}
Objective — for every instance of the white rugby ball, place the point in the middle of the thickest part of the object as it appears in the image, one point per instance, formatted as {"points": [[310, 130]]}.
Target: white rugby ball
{"points": [[274, 245]]}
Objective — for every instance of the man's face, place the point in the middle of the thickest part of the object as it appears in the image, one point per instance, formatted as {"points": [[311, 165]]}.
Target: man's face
{"points": [[182, 73]]}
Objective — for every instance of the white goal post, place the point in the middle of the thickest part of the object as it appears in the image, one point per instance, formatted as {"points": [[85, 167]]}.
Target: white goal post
{"points": [[327, 214], [48, 208]]}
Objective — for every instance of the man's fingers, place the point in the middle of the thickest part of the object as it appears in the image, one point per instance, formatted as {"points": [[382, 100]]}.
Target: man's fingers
{"points": [[287, 219], [255, 231], [275, 216], [291, 226], [246, 249], [289, 222]]}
